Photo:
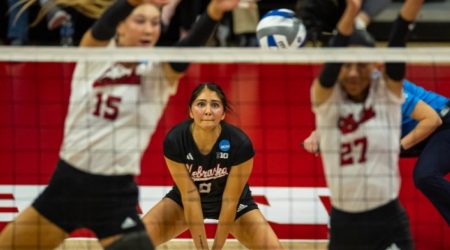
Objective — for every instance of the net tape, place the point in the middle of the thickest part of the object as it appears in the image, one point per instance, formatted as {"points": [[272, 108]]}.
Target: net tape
{"points": [[225, 55]]}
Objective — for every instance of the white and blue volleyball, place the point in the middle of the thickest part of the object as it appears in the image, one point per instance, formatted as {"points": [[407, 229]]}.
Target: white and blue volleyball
{"points": [[280, 29]]}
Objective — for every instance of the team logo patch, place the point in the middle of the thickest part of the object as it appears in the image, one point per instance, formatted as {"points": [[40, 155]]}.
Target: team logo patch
{"points": [[224, 145]]}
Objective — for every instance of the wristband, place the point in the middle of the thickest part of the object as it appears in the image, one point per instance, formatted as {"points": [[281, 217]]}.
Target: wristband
{"points": [[198, 36], [330, 71]]}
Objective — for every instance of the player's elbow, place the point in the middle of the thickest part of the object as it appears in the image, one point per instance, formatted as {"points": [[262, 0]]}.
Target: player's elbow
{"points": [[434, 122], [438, 121]]}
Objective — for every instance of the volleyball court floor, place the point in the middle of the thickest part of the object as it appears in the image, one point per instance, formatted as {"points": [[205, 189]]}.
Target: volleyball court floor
{"points": [[187, 244]]}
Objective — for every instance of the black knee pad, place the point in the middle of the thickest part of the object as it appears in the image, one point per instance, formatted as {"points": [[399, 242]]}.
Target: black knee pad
{"points": [[132, 241]]}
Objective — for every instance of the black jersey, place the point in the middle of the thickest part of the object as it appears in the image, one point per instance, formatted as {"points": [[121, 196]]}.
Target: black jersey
{"points": [[209, 172]]}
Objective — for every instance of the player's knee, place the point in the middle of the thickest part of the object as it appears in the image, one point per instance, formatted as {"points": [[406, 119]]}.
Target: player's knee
{"points": [[132, 241]]}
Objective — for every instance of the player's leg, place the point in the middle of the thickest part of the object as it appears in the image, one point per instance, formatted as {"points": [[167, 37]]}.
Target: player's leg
{"points": [[110, 211], [137, 240], [430, 170], [254, 232], [165, 221], [31, 230]]}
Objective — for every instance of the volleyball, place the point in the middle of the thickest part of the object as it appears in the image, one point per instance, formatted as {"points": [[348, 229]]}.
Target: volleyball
{"points": [[280, 29]]}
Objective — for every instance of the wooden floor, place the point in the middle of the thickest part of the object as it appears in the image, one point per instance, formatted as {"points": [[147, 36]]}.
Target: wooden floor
{"points": [[187, 245]]}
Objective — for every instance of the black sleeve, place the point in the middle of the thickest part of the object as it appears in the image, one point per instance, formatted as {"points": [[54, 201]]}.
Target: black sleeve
{"points": [[243, 152], [399, 35], [170, 152], [105, 27], [330, 71], [198, 36]]}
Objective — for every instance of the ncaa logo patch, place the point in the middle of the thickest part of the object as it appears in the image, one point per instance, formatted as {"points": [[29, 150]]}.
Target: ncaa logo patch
{"points": [[224, 145]]}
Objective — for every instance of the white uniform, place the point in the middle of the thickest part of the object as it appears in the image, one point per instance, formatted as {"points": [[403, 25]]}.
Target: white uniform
{"points": [[113, 112], [359, 144]]}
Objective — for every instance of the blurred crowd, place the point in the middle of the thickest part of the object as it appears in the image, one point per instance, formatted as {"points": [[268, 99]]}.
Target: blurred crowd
{"points": [[27, 28], [23, 24]]}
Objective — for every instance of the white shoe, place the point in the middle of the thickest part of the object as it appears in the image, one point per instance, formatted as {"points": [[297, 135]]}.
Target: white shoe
{"points": [[57, 19]]}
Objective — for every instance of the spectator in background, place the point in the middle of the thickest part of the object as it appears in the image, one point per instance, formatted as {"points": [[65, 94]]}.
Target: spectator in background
{"points": [[321, 16], [245, 20], [18, 22], [17, 25], [177, 19], [179, 15], [55, 15]]}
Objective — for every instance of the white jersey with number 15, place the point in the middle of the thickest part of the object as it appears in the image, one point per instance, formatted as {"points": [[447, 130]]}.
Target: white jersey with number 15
{"points": [[113, 112]]}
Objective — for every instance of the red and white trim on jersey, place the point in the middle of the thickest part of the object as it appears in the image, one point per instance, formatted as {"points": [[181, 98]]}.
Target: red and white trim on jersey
{"points": [[360, 143]]}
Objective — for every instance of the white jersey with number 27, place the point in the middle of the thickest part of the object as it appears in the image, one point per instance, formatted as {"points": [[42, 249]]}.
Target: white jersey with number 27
{"points": [[113, 112], [360, 144]]}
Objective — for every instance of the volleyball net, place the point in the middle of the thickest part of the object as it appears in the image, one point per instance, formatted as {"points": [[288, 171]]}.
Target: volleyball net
{"points": [[270, 91]]}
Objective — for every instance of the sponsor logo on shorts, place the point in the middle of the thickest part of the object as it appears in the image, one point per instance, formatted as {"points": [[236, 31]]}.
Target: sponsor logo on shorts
{"points": [[393, 247], [128, 223], [241, 207], [224, 145]]}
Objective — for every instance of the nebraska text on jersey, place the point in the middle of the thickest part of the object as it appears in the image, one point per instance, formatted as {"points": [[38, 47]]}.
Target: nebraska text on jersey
{"points": [[205, 175]]}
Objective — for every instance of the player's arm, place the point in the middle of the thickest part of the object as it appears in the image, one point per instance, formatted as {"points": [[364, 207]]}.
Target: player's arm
{"points": [[237, 179], [395, 72], [105, 27], [323, 85], [191, 202], [428, 120], [199, 35]]}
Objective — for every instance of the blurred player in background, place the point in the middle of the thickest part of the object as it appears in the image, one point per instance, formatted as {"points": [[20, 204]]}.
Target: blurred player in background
{"points": [[359, 117], [210, 161], [425, 134], [113, 111]]}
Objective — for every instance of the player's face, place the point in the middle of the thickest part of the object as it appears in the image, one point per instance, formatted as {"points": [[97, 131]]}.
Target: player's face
{"points": [[355, 79], [207, 110], [141, 28]]}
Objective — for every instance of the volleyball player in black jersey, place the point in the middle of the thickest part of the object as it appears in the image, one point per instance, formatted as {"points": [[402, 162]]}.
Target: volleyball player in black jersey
{"points": [[210, 161]]}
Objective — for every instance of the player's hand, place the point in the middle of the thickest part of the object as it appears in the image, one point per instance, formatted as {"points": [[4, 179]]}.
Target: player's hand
{"points": [[216, 8], [311, 144], [225, 5], [157, 2]]}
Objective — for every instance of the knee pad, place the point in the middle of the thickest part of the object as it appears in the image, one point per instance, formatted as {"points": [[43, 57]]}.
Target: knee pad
{"points": [[132, 241]]}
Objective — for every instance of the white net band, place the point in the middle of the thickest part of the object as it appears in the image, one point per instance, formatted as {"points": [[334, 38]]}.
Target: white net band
{"points": [[226, 55]]}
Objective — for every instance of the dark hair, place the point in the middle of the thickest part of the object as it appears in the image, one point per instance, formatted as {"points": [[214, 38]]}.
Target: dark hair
{"points": [[213, 87]]}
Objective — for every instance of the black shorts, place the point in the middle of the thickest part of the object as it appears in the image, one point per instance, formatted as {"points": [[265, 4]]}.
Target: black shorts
{"points": [[107, 205], [376, 229], [245, 205]]}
